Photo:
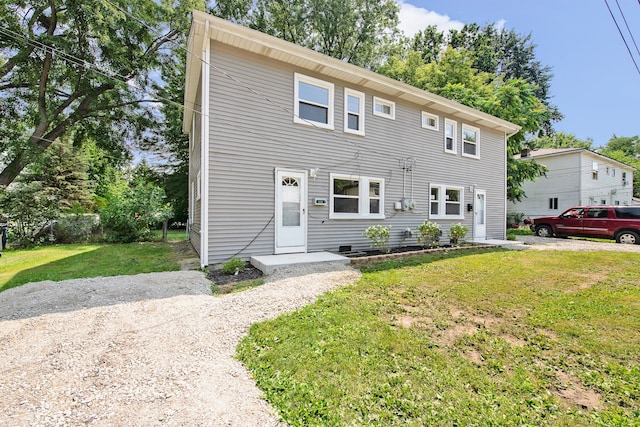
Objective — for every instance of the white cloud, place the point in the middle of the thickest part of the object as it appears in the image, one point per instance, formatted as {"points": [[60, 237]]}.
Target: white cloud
{"points": [[414, 19]]}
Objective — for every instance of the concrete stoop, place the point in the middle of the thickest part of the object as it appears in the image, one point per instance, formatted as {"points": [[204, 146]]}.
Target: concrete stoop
{"points": [[268, 263]]}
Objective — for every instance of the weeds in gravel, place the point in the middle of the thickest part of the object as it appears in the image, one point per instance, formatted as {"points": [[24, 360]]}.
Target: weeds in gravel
{"points": [[491, 338]]}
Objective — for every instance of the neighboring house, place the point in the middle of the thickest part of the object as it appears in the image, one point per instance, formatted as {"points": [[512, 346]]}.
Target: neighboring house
{"points": [[292, 151], [576, 176]]}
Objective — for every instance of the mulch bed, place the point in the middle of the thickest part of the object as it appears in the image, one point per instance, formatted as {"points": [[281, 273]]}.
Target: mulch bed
{"points": [[220, 278]]}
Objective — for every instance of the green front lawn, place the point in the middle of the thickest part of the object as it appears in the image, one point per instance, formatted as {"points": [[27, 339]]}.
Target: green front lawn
{"points": [[61, 262], [527, 338]]}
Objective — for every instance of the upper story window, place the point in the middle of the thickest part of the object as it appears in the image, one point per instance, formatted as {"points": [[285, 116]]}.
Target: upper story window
{"points": [[356, 197], [429, 121], [353, 111], [384, 108], [313, 102], [470, 141], [446, 202], [450, 145], [594, 170]]}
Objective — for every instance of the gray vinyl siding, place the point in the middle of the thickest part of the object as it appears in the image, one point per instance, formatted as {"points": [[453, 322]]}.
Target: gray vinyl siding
{"points": [[194, 168], [251, 135]]}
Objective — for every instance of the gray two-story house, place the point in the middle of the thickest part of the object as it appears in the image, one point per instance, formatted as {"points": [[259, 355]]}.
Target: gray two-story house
{"points": [[293, 151]]}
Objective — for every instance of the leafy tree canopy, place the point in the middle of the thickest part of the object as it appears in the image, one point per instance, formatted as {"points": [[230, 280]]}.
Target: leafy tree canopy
{"points": [[626, 150], [80, 65], [453, 76], [356, 31], [559, 140]]}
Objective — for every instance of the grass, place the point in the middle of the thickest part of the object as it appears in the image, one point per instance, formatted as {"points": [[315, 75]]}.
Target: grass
{"points": [[235, 287], [484, 339], [61, 262]]}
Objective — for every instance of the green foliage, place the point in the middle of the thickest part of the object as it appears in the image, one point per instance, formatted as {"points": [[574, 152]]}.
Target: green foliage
{"points": [[453, 76], [428, 233], [497, 338], [626, 150], [559, 140], [30, 209], [379, 236], [514, 218], [233, 266], [355, 31], [131, 210], [99, 60], [75, 228], [457, 233]]}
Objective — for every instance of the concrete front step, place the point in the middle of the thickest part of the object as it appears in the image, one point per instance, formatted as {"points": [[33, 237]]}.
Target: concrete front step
{"points": [[268, 263]]}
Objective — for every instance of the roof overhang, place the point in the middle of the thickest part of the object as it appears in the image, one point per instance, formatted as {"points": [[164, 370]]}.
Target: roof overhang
{"points": [[245, 39], [557, 152]]}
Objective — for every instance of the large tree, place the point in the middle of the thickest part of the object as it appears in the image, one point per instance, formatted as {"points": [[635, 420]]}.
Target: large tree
{"points": [[79, 65], [626, 150], [453, 76], [356, 31], [559, 140]]}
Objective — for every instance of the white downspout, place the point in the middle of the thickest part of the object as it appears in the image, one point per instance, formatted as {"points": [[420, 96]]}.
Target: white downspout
{"points": [[204, 146], [506, 172]]}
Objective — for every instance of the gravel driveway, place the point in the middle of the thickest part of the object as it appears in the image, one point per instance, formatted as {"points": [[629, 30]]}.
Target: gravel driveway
{"points": [[152, 349], [145, 350], [555, 244]]}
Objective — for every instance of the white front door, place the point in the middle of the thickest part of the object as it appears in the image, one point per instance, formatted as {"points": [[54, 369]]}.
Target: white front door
{"points": [[291, 211], [480, 215]]}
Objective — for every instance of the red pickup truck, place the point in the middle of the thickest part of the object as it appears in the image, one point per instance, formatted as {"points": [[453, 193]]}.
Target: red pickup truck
{"points": [[610, 222]]}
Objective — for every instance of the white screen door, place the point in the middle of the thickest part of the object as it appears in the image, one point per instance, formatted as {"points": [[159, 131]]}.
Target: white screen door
{"points": [[480, 215], [291, 211]]}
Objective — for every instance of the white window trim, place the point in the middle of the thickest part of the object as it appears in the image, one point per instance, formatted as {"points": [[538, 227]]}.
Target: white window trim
{"points": [[198, 186], [435, 118], [347, 93], [383, 102], [477, 142], [296, 101], [455, 136], [363, 197], [442, 203]]}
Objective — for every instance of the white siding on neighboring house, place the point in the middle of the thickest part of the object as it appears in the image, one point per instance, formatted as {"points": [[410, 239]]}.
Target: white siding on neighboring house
{"points": [[574, 177]]}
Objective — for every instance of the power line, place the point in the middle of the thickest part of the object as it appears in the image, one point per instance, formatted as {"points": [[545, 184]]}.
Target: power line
{"points": [[622, 35], [628, 29]]}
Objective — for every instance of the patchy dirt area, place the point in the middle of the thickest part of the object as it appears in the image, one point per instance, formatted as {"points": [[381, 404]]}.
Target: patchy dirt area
{"points": [[144, 350]]}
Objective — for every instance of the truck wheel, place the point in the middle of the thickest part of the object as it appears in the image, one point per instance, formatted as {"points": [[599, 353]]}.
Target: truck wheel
{"points": [[544, 231], [628, 237]]}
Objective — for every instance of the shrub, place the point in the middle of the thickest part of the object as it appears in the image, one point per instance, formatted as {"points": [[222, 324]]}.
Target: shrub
{"points": [[457, 232], [75, 228], [379, 236], [429, 233], [233, 266], [31, 211], [130, 211]]}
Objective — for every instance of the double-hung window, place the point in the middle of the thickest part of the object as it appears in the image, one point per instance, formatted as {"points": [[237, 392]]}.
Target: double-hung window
{"points": [[384, 108], [313, 102], [353, 111], [450, 145], [470, 141], [446, 202], [356, 197]]}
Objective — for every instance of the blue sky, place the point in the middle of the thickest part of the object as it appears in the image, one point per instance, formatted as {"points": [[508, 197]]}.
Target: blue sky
{"points": [[595, 85]]}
